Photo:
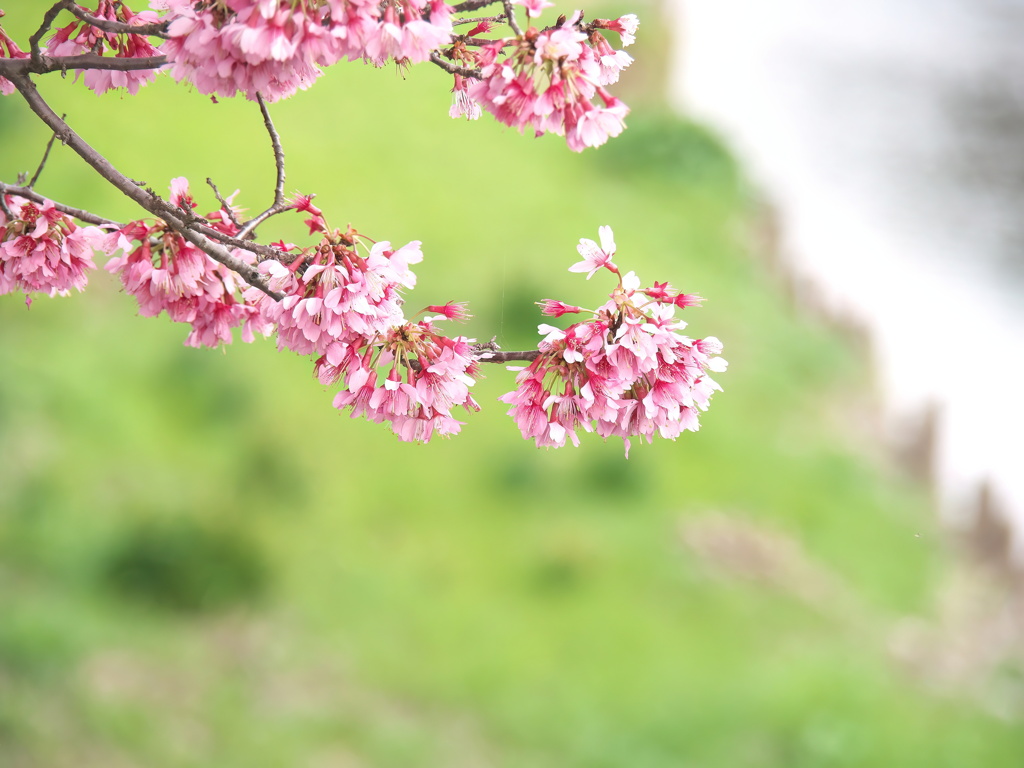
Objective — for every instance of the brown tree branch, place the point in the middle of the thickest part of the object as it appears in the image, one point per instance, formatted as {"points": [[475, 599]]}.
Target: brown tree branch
{"points": [[266, 251], [78, 213], [473, 5], [46, 155], [511, 16], [4, 207], [37, 37], [158, 29], [11, 67], [477, 19], [454, 69], [496, 356], [179, 220], [224, 204], [279, 205]]}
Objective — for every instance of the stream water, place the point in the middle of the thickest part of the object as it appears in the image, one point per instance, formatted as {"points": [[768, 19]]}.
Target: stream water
{"points": [[890, 135]]}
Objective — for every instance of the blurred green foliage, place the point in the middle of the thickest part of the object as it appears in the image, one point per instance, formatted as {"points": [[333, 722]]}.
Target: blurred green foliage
{"points": [[183, 566], [474, 601]]}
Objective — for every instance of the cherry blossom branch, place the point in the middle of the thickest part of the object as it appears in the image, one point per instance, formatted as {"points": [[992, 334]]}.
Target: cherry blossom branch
{"points": [[280, 204], [483, 353], [267, 251], [157, 29], [78, 213], [179, 220]]}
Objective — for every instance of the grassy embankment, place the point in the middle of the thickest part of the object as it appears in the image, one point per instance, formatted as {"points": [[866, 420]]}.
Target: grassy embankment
{"points": [[316, 593]]}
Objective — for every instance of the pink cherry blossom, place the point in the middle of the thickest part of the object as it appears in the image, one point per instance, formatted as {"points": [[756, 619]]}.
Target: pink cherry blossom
{"points": [[533, 7], [596, 256], [246, 47], [42, 250], [335, 294], [9, 50], [463, 105], [546, 82], [452, 310], [626, 26], [79, 37], [556, 308], [625, 372], [166, 273], [610, 61], [427, 376]]}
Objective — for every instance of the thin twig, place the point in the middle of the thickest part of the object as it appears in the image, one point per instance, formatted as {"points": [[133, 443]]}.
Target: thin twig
{"points": [[48, 18], [454, 69], [472, 5], [224, 204], [4, 207], [478, 19], [46, 154], [482, 41], [510, 14], [157, 29], [178, 220], [279, 205], [275, 141]]}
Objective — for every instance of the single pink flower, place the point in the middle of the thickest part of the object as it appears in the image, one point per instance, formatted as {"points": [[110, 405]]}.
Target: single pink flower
{"points": [[595, 257], [626, 26], [453, 310], [554, 308], [533, 7]]}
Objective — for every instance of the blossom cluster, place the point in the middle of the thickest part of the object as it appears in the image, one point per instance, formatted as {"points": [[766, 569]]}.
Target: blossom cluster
{"points": [[546, 80], [42, 250], [625, 372], [276, 47], [79, 37], [345, 306], [166, 273], [549, 80], [423, 374]]}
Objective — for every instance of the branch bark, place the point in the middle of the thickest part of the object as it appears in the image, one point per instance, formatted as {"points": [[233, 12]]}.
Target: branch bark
{"points": [[78, 213], [180, 221], [158, 29], [279, 205], [9, 68]]}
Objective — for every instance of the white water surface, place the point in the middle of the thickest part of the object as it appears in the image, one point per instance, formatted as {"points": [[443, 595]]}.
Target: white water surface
{"points": [[890, 135]]}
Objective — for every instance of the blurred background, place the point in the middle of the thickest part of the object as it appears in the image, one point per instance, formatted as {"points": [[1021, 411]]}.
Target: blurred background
{"points": [[887, 134], [203, 564]]}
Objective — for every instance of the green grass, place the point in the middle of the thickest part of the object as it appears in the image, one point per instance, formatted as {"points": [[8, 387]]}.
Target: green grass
{"points": [[475, 601]]}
